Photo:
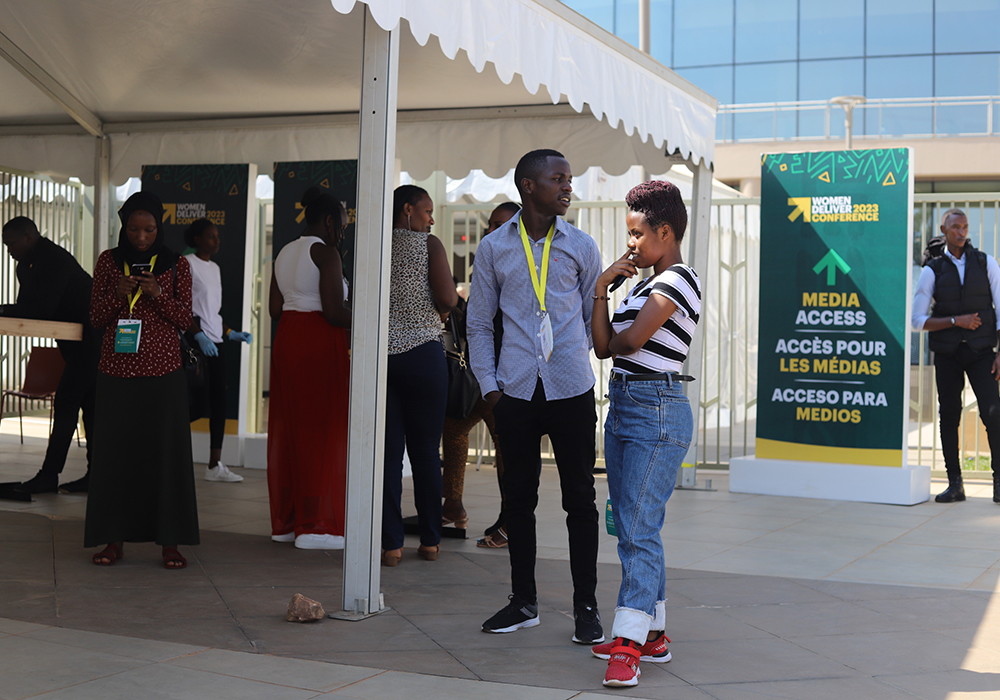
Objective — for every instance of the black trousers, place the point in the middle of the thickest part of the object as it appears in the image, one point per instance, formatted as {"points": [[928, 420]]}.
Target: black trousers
{"points": [[217, 397], [570, 424], [950, 372], [416, 394], [77, 390]]}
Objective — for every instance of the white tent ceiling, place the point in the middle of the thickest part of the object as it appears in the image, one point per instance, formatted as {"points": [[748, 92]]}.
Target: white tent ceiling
{"points": [[188, 81]]}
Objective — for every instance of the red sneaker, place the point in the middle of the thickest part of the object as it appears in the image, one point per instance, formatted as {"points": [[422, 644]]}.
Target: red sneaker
{"points": [[655, 651], [623, 666]]}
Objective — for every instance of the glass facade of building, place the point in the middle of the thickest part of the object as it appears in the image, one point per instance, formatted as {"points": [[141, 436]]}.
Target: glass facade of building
{"points": [[752, 51]]}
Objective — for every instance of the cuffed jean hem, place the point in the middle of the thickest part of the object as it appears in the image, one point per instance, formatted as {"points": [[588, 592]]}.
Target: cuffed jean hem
{"points": [[636, 625]]}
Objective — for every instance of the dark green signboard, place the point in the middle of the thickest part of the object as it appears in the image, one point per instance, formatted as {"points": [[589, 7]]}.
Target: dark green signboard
{"points": [[834, 285], [291, 180], [218, 193]]}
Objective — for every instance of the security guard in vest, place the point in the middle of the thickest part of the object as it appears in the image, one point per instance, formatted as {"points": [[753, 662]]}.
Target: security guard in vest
{"points": [[963, 330]]}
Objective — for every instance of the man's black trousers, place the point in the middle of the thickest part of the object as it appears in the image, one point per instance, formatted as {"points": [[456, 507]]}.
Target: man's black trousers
{"points": [[950, 372], [77, 390], [570, 424]]}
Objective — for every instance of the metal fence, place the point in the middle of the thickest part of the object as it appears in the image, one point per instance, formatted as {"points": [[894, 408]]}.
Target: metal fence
{"points": [[727, 405], [821, 120], [57, 209], [983, 211], [730, 284]]}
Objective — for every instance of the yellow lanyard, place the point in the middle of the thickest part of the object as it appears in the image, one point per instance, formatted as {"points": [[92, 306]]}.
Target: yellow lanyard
{"points": [[539, 286], [135, 297]]}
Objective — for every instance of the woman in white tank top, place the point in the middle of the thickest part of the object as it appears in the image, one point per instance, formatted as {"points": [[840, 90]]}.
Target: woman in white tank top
{"points": [[310, 379]]}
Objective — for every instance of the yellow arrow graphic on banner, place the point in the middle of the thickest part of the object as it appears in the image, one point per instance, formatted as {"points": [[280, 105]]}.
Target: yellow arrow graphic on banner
{"points": [[170, 210], [803, 206]]}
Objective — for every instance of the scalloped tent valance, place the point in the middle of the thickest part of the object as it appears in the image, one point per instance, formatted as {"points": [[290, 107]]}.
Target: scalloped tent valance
{"points": [[527, 38], [258, 81]]}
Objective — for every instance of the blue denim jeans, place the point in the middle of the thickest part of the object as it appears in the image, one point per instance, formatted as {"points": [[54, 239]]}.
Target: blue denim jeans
{"points": [[646, 436]]}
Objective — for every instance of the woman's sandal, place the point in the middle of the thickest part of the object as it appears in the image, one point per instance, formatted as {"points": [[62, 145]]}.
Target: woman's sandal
{"points": [[429, 553], [391, 557], [495, 540], [110, 554], [460, 521], [172, 559]]}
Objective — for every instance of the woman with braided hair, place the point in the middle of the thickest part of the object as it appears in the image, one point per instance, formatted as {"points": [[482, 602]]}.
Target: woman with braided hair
{"points": [[649, 422], [310, 381]]}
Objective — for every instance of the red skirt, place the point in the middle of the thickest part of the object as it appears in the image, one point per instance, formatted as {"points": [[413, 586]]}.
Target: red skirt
{"points": [[307, 425]]}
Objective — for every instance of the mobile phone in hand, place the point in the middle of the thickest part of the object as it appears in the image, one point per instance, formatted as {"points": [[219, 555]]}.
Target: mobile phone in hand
{"points": [[137, 269]]}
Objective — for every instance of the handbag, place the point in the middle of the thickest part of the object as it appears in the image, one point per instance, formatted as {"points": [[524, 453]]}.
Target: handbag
{"points": [[195, 367], [463, 389], [194, 363]]}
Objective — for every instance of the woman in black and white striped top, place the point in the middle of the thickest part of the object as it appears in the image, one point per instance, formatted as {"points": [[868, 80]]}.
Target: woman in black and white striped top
{"points": [[666, 349], [649, 422]]}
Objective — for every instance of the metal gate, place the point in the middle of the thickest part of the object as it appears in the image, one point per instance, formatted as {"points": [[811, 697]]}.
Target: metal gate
{"points": [[727, 423], [57, 209]]}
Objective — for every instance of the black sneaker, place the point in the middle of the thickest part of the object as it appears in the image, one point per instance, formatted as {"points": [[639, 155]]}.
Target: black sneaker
{"points": [[42, 482], [588, 626], [81, 485], [516, 615]]}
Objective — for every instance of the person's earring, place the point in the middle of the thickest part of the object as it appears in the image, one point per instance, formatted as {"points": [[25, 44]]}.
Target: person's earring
{"points": [[408, 224]]}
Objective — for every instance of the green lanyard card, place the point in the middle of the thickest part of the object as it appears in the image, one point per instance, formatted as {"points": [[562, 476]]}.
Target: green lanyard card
{"points": [[127, 335]]}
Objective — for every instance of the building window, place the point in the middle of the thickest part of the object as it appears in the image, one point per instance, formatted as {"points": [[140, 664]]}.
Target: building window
{"points": [[821, 80], [766, 30], [899, 77], [900, 27], [703, 32], [967, 25], [766, 82], [831, 29]]}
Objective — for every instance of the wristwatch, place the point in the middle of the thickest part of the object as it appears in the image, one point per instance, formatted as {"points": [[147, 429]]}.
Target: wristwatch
{"points": [[953, 320]]}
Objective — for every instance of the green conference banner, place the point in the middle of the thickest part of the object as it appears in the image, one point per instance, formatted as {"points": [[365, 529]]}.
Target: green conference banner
{"points": [[291, 180], [218, 193], [834, 286]]}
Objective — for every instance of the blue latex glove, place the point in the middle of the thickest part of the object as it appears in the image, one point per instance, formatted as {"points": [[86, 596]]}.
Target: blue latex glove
{"points": [[207, 346], [240, 337]]}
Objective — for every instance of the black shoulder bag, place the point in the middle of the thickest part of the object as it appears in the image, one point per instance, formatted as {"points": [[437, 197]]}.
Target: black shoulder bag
{"points": [[195, 368], [463, 389]]}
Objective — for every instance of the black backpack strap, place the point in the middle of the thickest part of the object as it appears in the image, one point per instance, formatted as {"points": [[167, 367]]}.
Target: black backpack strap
{"points": [[983, 263]]}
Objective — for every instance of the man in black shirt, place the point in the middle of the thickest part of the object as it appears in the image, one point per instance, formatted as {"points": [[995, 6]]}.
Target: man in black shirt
{"points": [[53, 287]]}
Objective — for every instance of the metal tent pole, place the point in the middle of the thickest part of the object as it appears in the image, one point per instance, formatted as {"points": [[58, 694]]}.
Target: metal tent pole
{"points": [[376, 171], [102, 195], [698, 230]]}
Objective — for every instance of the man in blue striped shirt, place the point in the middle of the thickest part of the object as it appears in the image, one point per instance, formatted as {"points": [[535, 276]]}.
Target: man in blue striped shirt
{"points": [[540, 272]]}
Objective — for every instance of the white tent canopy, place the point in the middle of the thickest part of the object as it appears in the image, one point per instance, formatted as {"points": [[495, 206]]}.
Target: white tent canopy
{"points": [[97, 88], [188, 81]]}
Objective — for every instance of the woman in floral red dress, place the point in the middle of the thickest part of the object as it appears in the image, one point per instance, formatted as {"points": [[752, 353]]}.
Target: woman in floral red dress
{"points": [[142, 478]]}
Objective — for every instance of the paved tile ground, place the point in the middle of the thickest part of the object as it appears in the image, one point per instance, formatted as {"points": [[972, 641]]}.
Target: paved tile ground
{"points": [[769, 597]]}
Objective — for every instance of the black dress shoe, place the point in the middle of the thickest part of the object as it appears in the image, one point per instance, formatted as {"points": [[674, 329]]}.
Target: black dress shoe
{"points": [[42, 482], [954, 492], [81, 485]]}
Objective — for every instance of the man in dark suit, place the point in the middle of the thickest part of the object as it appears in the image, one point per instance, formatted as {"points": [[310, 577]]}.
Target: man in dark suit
{"points": [[53, 287]]}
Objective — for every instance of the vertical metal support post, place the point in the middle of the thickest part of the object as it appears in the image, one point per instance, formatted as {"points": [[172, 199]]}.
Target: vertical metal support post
{"points": [[376, 172], [699, 230], [102, 194], [644, 26]]}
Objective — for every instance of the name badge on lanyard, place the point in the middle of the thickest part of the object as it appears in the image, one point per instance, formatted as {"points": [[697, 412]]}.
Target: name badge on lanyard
{"points": [[127, 335], [539, 285], [130, 329]]}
